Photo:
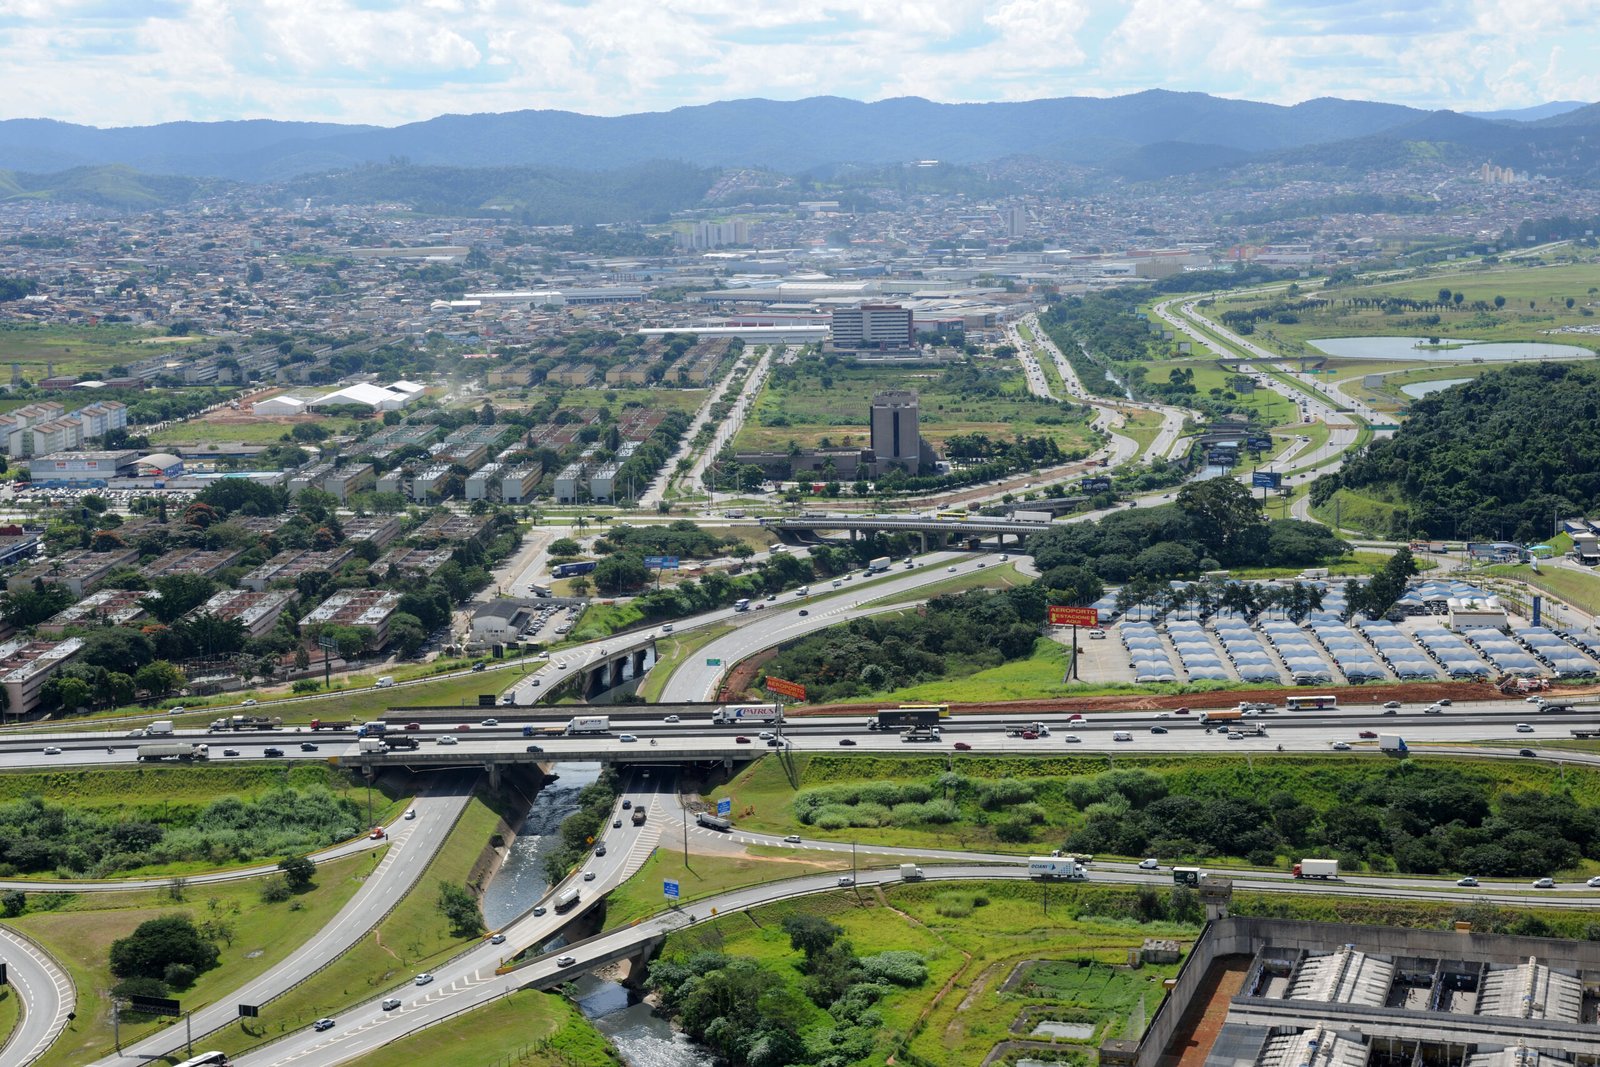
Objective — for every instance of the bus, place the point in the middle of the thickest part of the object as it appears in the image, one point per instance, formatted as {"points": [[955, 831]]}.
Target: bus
{"points": [[1324, 702], [206, 1059], [955, 514]]}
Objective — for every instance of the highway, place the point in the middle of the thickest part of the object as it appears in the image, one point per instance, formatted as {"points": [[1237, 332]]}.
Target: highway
{"points": [[45, 994]]}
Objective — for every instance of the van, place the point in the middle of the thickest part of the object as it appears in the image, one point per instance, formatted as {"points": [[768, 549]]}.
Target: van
{"points": [[804, 590], [1122, 735], [384, 682]]}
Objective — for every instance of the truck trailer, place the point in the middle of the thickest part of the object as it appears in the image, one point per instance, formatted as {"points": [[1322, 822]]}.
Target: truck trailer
{"points": [[178, 750], [1313, 868], [249, 722], [1393, 744], [747, 714], [1188, 876], [902, 718], [910, 872], [712, 822], [879, 565], [1057, 868], [589, 724]]}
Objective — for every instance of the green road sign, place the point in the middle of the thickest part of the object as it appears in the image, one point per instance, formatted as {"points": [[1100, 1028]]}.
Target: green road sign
{"points": [[713, 663]]}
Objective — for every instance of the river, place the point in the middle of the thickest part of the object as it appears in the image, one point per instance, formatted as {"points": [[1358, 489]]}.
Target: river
{"points": [[642, 1038]]}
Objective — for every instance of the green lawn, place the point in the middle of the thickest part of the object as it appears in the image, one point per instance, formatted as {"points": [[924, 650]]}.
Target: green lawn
{"points": [[80, 932], [994, 576], [250, 432], [1575, 587], [524, 1027], [412, 937], [705, 876], [10, 1013], [1039, 675], [79, 349]]}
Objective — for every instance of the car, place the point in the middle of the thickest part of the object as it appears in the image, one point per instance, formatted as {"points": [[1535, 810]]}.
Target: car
{"points": [[561, 666], [981, 564], [1181, 711], [765, 735], [847, 742], [846, 880], [1524, 728], [1468, 882], [463, 727], [307, 746], [1545, 883], [600, 849], [837, 583], [323, 1024], [230, 752], [672, 718], [391, 1004], [248, 703], [1341, 746], [962, 746], [565, 961], [533, 683], [588, 876], [773, 742], [1164, 715], [626, 738], [411, 813], [1367, 735], [139, 732], [476, 667], [1097, 634], [666, 628], [413, 726], [1533, 700], [272, 753], [804, 612], [1530, 753], [626, 804], [793, 839], [1392, 705], [175, 710], [1150, 864], [490, 722], [52, 751], [423, 979], [535, 748], [538, 910], [741, 740], [446, 739], [616, 824], [950, 569], [1235, 735], [1158, 729], [1443, 702]]}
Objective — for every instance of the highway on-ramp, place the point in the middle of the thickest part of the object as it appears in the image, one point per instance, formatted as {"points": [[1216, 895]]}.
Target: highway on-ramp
{"points": [[45, 994]]}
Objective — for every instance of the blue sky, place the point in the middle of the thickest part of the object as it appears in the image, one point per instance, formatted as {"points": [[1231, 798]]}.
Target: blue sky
{"points": [[132, 62]]}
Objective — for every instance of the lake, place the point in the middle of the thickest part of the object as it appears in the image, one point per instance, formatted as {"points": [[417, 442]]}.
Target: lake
{"points": [[1418, 390], [1405, 348]]}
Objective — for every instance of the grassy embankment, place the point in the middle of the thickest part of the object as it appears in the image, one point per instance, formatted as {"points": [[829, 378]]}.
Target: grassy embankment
{"points": [[1575, 587], [80, 349], [10, 1013], [673, 652], [526, 1028], [250, 431]]}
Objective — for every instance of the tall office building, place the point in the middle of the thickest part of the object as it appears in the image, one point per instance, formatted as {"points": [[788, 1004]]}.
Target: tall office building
{"points": [[895, 437], [1016, 221], [872, 326]]}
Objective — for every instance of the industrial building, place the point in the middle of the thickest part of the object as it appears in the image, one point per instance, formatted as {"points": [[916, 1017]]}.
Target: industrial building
{"points": [[25, 665], [370, 609]]}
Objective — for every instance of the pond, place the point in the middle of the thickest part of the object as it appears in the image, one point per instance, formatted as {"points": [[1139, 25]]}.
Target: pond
{"points": [[1405, 348], [1069, 1031], [1418, 390]]}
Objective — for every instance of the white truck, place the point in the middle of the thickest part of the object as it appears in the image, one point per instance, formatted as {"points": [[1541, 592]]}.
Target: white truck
{"points": [[159, 728], [384, 681], [910, 872], [1393, 744], [879, 565], [178, 750], [1032, 516], [743, 714], [589, 724], [1057, 868], [372, 744], [1314, 868]]}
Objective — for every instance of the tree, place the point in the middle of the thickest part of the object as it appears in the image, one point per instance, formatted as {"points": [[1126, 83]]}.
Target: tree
{"points": [[158, 678], [178, 594], [158, 943], [26, 607], [1223, 514], [810, 934], [620, 572], [406, 634], [565, 546], [117, 648], [461, 909], [13, 902], [69, 694], [1072, 585], [298, 871]]}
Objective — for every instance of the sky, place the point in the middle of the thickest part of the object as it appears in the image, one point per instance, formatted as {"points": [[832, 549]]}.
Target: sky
{"points": [[388, 62]]}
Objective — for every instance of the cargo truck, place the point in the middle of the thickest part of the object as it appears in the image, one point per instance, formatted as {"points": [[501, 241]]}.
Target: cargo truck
{"points": [[742, 604], [248, 722], [1023, 729], [638, 816], [901, 718], [1311, 868], [1189, 876], [713, 822], [330, 724], [1393, 744], [371, 744], [1054, 868], [400, 741], [879, 565], [178, 750], [589, 724], [372, 729], [160, 728], [921, 733], [567, 899], [1214, 717], [1033, 516], [745, 714], [910, 872]]}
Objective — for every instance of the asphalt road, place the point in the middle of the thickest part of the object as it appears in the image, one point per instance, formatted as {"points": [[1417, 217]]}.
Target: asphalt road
{"points": [[46, 995]]}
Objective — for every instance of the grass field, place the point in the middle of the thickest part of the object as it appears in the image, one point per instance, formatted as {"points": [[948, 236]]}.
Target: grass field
{"points": [[704, 876], [1039, 675], [1575, 587], [685, 400], [10, 1013], [411, 938], [1365, 514], [80, 932], [79, 349], [526, 1028], [250, 431], [1271, 408]]}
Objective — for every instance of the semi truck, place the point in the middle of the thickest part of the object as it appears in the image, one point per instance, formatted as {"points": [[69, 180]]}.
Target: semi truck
{"points": [[1057, 868], [638, 815], [713, 822], [910, 872], [569, 570], [879, 565], [371, 744], [330, 724], [567, 899], [179, 750], [1393, 744], [1189, 876], [400, 741], [589, 724], [902, 718], [1313, 868], [742, 604], [1211, 718], [372, 729], [1023, 729], [921, 733], [1034, 516], [249, 722], [745, 714]]}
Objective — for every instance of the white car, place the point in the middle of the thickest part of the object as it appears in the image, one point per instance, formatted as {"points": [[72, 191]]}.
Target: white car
{"points": [[423, 979], [52, 751], [1594, 883], [1545, 883], [626, 738], [1097, 634], [1341, 746], [1150, 864], [446, 739], [588, 876], [1524, 728], [1533, 700], [411, 813], [671, 718]]}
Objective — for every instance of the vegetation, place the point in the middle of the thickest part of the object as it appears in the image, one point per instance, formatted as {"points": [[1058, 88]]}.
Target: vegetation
{"points": [[534, 1029], [583, 827], [166, 953], [1500, 456]]}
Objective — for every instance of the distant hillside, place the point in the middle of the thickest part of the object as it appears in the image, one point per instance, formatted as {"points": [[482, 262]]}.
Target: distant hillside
{"points": [[785, 135], [1529, 114], [111, 186]]}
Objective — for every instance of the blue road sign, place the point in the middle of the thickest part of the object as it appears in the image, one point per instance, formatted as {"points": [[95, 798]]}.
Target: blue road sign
{"points": [[725, 807], [670, 888]]}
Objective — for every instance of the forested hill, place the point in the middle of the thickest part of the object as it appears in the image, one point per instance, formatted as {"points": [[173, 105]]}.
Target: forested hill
{"points": [[1500, 455]]}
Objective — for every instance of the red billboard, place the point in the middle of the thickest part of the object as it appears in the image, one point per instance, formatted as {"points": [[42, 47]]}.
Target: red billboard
{"points": [[1064, 616], [793, 690]]}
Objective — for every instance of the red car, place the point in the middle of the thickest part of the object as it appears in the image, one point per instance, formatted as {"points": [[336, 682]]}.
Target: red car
{"points": [[1181, 711], [377, 833], [1074, 717], [413, 726], [962, 746], [1368, 733], [742, 740], [464, 726], [1029, 735]]}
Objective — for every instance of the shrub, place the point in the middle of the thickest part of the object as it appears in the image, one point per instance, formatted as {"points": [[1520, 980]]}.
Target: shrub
{"points": [[1013, 831], [995, 795], [954, 905], [895, 967], [157, 943], [275, 890], [179, 975]]}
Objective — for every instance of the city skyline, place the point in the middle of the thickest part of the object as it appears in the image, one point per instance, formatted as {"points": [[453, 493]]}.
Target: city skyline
{"points": [[383, 63]]}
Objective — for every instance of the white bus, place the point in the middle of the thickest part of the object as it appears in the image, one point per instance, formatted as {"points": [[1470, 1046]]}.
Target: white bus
{"points": [[206, 1059], [1322, 702]]}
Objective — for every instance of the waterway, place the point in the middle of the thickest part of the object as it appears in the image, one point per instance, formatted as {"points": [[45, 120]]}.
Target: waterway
{"points": [[1405, 348], [642, 1038], [1418, 390]]}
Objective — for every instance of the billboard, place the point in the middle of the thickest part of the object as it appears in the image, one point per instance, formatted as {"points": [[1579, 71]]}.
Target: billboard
{"points": [[793, 690], [1266, 480], [661, 563], [1064, 616]]}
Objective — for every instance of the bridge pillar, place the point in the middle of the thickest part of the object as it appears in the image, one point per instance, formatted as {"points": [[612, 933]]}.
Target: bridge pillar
{"points": [[638, 663], [614, 670], [494, 775], [635, 967], [594, 682]]}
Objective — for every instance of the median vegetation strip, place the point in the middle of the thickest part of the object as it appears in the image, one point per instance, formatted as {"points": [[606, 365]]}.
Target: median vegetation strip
{"points": [[10, 1013], [674, 652], [706, 875], [524, 1027]]}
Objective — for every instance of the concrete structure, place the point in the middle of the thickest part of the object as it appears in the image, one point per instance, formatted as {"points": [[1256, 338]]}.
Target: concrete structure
{"points": [[191, 561], [871, 327], [379, 529], [896, 440], [483, 483], [82, 468], [16, 545], [78, 571], [364, 394], [258, 611], [517, 484], [567, 483], [431, 484], [412, 562], [26, 665], [344, 482], [283, 404], [287, 566], [501, 621], [114, 607], [1479, 611], [368, 608]]}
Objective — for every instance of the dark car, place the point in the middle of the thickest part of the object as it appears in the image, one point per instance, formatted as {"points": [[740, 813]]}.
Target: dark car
{"points": [[480, 666], [273, 752], [307, 746], [741, 740], [1158, 729], [847, 742], [1368, 734], [773, 742], [626, 804], [535, 748], [803, 611], [230, 752], [962, 746], [1526, 752]]}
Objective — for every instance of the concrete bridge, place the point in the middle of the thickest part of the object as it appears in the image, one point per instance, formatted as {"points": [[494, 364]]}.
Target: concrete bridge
{"points": [[933, 533]]}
